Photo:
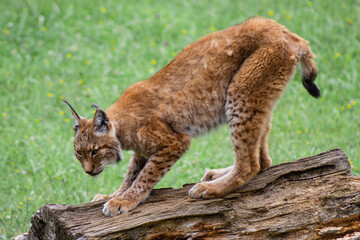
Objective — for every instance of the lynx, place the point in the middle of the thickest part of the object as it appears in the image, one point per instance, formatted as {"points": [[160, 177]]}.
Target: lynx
{"points": [[232, 77]]}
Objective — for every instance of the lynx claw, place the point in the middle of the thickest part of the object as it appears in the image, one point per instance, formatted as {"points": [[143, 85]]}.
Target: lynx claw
{"points": [[117, 206], [99, 197]]}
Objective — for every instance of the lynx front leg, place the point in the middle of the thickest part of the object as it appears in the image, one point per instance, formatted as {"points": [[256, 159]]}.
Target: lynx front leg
{"points": [[158, 164], [136, 164]]}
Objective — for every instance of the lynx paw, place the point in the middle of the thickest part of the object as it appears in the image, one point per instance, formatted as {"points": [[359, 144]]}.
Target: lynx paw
{"points": [[205, 190], [212, 175], [99, 197], [118, 206]]}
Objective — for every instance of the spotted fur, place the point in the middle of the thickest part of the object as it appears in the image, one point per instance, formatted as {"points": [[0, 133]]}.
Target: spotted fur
{"points": [[234, 76]]}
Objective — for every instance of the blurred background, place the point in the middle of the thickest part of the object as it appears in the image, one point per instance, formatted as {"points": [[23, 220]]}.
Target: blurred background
{"points": [[91, 51]]}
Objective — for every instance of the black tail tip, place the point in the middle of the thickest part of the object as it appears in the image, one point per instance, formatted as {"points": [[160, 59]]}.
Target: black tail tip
{"points": [[312, 88]]}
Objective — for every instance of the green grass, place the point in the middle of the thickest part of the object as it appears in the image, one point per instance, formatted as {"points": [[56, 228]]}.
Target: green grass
{"points": [[91, 51]]}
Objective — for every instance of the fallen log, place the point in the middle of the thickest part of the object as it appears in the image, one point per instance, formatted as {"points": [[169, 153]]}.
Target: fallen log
{"points": [[311, 198]]}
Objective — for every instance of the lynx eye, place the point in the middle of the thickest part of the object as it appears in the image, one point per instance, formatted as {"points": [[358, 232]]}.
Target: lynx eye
{"points": [[77, 152], [94, 152]]}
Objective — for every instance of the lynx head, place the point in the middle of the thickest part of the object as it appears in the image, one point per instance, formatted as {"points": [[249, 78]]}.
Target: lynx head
{"points": [[95, 143]]}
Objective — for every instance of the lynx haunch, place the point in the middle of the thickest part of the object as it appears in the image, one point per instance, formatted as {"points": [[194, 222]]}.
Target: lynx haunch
{"points": [[232, 77]]}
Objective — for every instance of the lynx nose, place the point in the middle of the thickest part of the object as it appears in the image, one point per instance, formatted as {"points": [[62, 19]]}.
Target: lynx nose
{"points": [[88, 168]]}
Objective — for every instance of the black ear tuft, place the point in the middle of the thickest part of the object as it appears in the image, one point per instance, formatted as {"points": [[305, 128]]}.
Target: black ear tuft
{"points": [[101, 121], [76, 117]]}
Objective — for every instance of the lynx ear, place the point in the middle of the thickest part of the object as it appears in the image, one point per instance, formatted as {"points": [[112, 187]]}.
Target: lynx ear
{"points": [[101, 121], [77, 118]]}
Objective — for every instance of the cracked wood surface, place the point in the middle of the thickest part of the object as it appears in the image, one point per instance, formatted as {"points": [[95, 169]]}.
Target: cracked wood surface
{"points": [[311, 198]]}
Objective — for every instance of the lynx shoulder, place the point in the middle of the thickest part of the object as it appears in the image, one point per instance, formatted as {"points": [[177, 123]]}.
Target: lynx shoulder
{"points": [[232, 77]]}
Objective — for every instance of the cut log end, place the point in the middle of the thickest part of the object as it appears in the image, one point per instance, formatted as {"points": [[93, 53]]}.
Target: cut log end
{"points": [[311, 198]]}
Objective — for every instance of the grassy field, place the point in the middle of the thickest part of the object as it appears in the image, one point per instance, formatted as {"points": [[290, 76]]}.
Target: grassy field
{"points": [[91, 51]]}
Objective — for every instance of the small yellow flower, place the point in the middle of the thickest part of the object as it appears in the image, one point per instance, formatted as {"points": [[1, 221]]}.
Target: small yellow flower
{"points": [[113, 48], [68, 55], [62, 113], [310, 4], [153, 62], [173, 54], [356, 168], [184, 31], [150, 70], [67, 119], [61, 81], [307, 142], [323, 99], [351, 162], [87, 90], [349, 21], [212, 28], [317, 131], [8, 109], [19, 207], [315, 18], [354, 103], [50, 84], [37, 120], [6, 31], [112, 41], [49, 94], [337, 55], [87, 62], [342, 108], [27, 199], [299, 131], [306, 130], [81, 82], [103, 10], [4, 114], [101, 22], [58, 178], [17, 170], [349, 106], [153, 44], [47, 62], [12, 163], [43, 29], [271, 13], [26, 136], [94, 111], [21, 203]]}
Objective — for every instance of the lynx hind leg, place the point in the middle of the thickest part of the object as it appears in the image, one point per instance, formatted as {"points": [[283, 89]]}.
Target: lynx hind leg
{"points": [[265, 160], [250, 98], [215, 174]]}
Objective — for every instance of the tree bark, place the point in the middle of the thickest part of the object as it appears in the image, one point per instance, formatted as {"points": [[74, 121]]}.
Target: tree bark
{"points": [[311, 198]]}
